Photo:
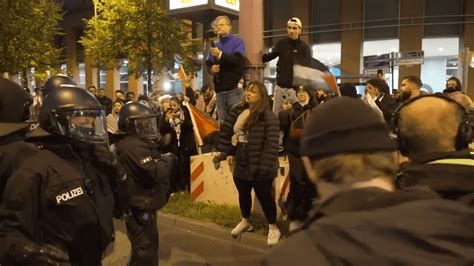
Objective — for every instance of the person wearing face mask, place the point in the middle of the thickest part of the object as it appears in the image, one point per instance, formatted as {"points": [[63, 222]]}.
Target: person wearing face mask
{"points": [[302, 192], [410, 88], [453, 84], [249, 137]]}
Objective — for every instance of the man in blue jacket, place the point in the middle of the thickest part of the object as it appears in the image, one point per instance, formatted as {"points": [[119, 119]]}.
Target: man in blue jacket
{"points": [[225, 62]]}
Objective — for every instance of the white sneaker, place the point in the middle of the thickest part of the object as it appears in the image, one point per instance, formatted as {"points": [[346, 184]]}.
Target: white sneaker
{"points": [[240, 228], [273, 236], [295, 225]]}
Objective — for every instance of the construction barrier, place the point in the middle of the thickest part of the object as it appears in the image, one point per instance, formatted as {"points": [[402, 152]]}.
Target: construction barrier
{"points": [[209, 184]]}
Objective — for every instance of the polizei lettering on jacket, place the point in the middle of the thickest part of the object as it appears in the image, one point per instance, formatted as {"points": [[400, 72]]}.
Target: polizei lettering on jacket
{"points": [[69, 195]]}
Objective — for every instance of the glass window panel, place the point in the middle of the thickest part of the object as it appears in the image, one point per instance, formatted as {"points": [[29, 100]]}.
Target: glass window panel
{"points": [[440, 61]]}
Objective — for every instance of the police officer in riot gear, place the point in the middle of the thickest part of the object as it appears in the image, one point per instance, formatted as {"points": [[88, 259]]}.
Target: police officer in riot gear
{"points": [[59, 204], [14, 111], [150, 170], [57, 82]]}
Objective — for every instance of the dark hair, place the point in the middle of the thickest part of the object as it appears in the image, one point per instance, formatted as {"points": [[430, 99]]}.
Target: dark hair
{"points": [[458, 83], [176, 99], [101, 89], [415, 80], [380, 84], [121, 91], [118, 101], [205, 88], [143, 98], [130, 92], [348, 89], [258, 108]]}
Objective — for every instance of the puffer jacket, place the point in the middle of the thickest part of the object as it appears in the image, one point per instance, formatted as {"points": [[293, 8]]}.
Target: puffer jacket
{"points": [[262, 141]]}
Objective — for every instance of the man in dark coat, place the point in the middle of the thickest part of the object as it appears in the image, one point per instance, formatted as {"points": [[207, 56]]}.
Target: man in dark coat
{"points": [[434, 132], [104, 100], [361, 220]]}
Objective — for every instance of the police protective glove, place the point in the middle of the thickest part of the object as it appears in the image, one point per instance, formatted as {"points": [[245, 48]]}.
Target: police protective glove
{"points": [[108, 162], [33, 254], [122, 187]]}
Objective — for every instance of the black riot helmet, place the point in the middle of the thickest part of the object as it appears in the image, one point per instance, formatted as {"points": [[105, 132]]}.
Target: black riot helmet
{"points": [[56, 82], [138, 119], [14, 106], [74, 113]]}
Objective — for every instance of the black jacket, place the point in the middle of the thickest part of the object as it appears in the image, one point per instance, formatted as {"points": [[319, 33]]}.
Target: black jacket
{"points": [[451, 174], [187, 143], [387, 105], [11, 157], [371, 226], [262, 141], [145, 165], [289, 52], [56, 197], [293, 116], [106, 102]]}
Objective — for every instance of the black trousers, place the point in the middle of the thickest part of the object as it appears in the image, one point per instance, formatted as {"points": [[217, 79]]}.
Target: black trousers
{"points": [[263, 190], [142, 231], [245, 181], [302, 191]]}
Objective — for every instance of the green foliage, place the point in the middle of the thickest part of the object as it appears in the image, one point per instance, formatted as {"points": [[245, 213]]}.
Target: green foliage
{"points": [[181, 204], [139, 30], [225, 215], [28, 29]]}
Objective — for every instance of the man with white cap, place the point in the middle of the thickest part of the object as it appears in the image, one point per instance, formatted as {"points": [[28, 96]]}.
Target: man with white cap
{"points": [[290, 51]]}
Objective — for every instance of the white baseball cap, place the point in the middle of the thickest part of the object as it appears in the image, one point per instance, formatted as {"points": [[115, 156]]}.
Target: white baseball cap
{"points": [[296, 21]]}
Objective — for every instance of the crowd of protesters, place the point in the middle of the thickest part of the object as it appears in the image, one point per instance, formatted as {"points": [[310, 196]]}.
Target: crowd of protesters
{"points": [[375, 179]]}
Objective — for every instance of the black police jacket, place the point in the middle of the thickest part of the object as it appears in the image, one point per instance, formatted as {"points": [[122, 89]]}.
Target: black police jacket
{"points": [[370, 226], [56, 198], [149, 169], [11, 156], [451, 174]]}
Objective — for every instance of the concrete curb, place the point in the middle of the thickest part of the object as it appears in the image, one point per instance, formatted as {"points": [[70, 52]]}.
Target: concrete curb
{"points": [[250, 240]]}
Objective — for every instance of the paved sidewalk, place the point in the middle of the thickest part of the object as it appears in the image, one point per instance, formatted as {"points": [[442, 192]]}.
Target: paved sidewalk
{"points": [[185, 241]]}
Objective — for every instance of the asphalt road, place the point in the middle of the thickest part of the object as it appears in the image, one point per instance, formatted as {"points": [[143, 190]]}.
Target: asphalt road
{"points": [[186, 242]]}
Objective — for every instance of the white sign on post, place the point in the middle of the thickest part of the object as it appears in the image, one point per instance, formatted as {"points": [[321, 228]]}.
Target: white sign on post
{"points": [[177, 4]]}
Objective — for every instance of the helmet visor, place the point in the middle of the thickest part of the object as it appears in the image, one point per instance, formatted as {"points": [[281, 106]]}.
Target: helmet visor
{"points": [[146, 127], [87, 125]]}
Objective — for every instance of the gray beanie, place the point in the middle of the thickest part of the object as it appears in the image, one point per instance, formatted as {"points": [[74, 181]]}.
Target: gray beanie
{"points": [[344, 125]]}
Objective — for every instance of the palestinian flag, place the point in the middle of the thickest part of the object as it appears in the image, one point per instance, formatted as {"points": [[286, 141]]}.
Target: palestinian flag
{"points": [[314, 74]]}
